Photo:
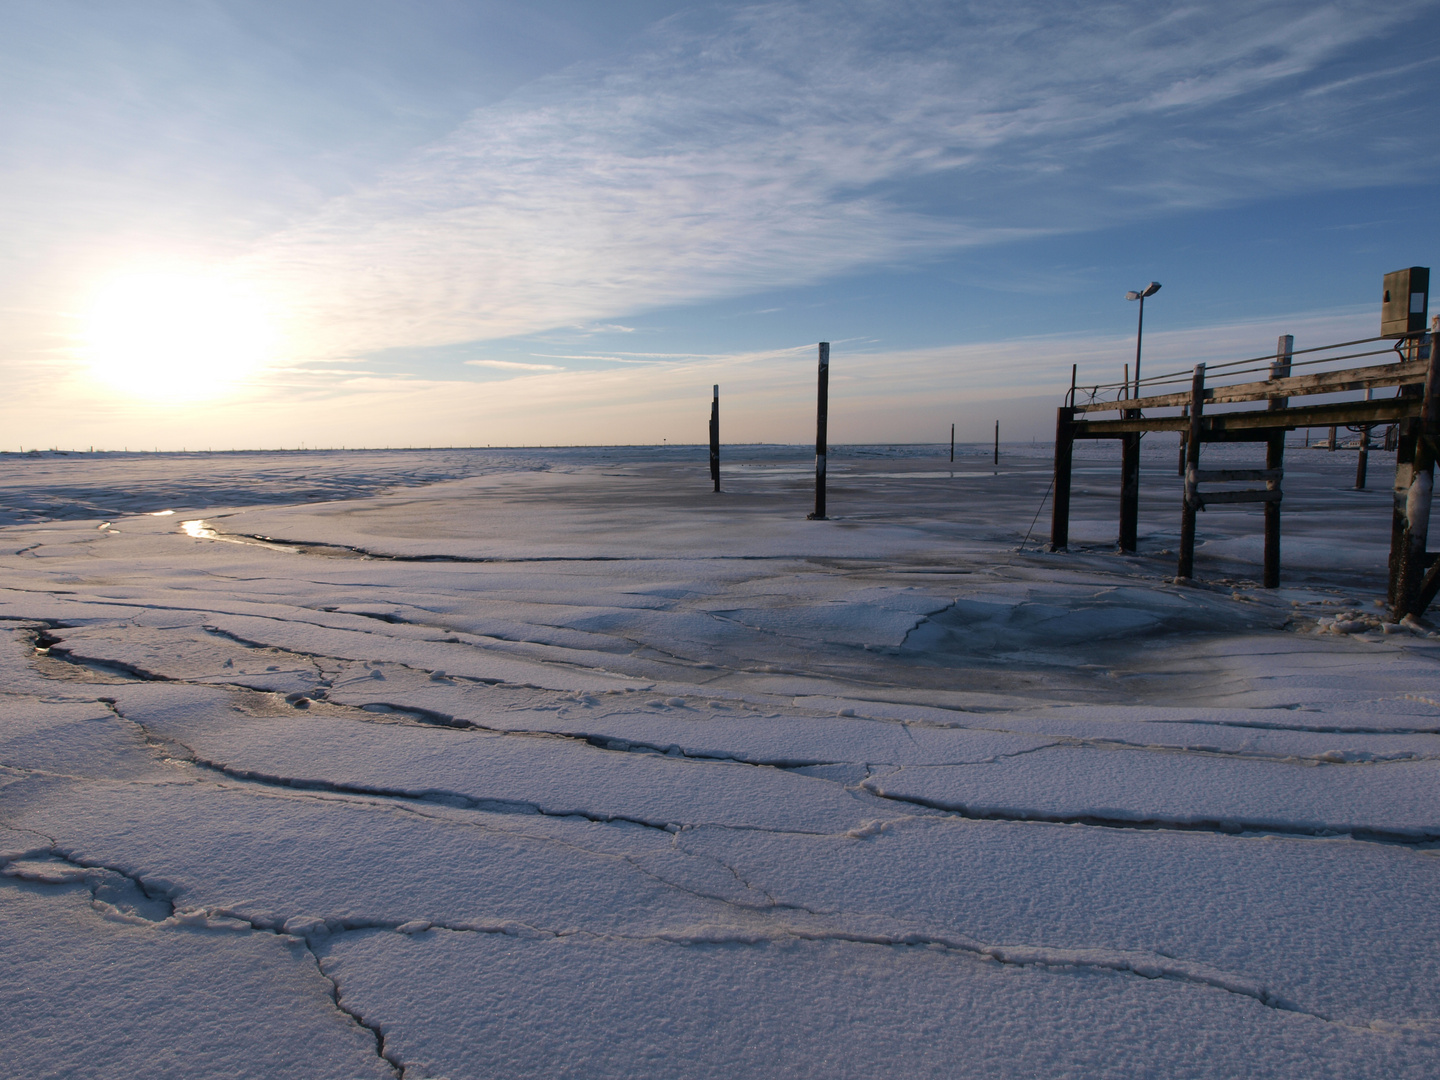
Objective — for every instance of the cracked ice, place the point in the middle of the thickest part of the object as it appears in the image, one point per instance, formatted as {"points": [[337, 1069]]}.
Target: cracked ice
{"points": [[538, 766]]}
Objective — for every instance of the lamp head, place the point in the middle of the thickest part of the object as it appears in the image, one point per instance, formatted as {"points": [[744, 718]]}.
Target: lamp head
{"points": [[1132, 295], [1151, 289]]}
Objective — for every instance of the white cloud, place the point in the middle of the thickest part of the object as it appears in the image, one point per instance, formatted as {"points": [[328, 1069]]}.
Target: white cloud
{"points": [[791, 142]]}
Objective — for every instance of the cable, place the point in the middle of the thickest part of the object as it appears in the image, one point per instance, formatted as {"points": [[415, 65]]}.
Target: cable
{"points": [[1036, 518]]}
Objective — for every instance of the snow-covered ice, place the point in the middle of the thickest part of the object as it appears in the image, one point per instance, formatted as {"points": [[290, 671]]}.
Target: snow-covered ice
{"points": [[551, 762]]}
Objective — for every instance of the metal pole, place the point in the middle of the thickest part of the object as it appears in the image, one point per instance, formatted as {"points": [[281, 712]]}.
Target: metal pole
{"points": [[822, 417], [1139, 330]]}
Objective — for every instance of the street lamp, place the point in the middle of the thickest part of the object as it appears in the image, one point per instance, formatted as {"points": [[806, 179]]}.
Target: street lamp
{"points": [[1149, 290]]}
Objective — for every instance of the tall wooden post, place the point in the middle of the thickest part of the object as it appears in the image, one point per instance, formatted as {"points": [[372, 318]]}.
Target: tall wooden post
{"points": [[1186, 569], [1413, 504], [1064, 457], [1362, 459], [997, 442], [952, 443], [822, 419], [1333, 439], [715, 438], [1275, 459]]}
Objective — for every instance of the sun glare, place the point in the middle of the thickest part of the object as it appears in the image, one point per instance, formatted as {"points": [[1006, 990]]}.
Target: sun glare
{"points": [[176, 337]]}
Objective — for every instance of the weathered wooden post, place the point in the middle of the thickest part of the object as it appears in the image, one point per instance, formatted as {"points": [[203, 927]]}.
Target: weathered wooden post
{"points": [[1064, 457], [952, 444], [1275, 462], [1186, 569], [1362, 460], [1413, 503], [1332, 437], [1129, 478], [1180, 465], [715, 437], [822, 417], [997, 442]]}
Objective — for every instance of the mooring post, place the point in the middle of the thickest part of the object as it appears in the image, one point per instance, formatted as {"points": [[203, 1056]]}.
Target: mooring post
{"points": [[1186, 569], [1409, 560], [1064, 456], [1275, 461], [952, 443], [1362, 460], [997, 442], [715, 437], [822, 417]]}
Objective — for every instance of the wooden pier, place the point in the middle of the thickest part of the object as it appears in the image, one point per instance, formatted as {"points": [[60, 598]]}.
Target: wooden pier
{"points": [[1213, 408]]}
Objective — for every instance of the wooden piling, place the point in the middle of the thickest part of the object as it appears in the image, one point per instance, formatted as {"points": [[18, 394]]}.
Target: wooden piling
{"points": [[1180, 465], [822, 419], [1332, 438], [1410, 580], [1362, 459], [1404, 473], [715, 437], [1064, 458], [952, 444], [1129, 490], [1275, 460], [1186, 568], [997, 442]]}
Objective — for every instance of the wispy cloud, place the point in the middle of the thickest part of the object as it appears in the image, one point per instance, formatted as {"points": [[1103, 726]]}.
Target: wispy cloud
{"points": [[789, 142], [513, 365], [875, 395]]}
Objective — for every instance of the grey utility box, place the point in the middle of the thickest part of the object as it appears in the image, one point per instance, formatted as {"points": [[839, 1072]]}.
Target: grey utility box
{"points": [[1407, 297]]}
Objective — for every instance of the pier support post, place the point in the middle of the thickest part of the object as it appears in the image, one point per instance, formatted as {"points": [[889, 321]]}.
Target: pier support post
{"points": [[1129, 489], [1275, 459], [1186, 569], [1414, 488], [1180, 465], [1064, 456], [822, 418]]}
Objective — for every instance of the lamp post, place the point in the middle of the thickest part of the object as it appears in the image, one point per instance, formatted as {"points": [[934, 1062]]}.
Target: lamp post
{"points": [[1149, 290]]}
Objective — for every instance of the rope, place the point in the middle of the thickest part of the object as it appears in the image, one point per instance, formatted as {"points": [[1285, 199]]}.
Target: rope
{"points": [[1036, 517]]}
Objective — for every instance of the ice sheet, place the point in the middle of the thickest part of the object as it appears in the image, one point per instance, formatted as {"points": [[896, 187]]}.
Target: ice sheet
{"points": [[555, 763]]}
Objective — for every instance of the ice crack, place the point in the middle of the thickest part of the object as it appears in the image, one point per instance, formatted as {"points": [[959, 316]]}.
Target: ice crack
{"points": [[1221, 826]]}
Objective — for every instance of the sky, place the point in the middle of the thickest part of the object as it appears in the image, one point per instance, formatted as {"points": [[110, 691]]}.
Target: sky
{"points": [[249, 223]]}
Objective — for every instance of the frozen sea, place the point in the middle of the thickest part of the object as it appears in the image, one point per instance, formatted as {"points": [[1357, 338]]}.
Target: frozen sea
{"points": [[551, 762]]}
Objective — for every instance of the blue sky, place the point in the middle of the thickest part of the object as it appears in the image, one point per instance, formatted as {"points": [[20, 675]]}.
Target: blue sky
{"points": [[560, 222]]}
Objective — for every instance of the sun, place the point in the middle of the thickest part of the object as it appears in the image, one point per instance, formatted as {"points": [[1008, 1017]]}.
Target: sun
{"points": [[170, 336]]}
